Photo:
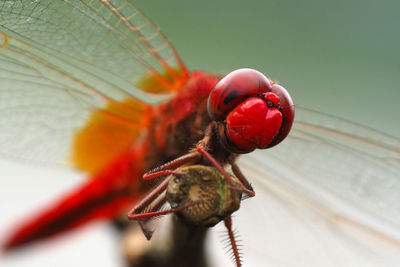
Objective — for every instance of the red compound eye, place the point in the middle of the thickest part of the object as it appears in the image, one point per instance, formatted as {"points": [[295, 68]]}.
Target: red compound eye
{"points": [[286, 107], [255, 113], [235, 88]]}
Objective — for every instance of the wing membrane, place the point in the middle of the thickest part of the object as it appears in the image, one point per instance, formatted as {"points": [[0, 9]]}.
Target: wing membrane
{"points": [[99, 37], [60, 61], [327, 196]]}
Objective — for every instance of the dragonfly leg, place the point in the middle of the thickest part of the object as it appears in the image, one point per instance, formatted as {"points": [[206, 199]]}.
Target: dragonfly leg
{"points": [[145, 216], [154, 210], [144, 203], [210, 158], [150, 207], [153, 175], [149, 198], [238, 173], [204, 151], [189, 158], [235, 250]]}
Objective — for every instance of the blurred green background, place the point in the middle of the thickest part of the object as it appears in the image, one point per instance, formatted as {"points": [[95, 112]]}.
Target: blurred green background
{"points": [[339, 57]]}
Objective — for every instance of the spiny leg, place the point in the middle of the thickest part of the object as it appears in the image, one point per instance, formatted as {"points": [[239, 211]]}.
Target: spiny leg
{"points": [[228, 225]]}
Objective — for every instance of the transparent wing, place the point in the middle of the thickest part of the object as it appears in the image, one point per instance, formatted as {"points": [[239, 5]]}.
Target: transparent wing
{"points": [[329, 195], [61, 60]]}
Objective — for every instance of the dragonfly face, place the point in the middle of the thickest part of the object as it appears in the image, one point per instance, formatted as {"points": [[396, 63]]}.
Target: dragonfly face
{"points": [[254, 111]]}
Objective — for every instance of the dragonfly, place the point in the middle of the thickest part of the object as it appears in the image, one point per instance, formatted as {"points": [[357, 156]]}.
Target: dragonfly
{"points": [[94, 81]]}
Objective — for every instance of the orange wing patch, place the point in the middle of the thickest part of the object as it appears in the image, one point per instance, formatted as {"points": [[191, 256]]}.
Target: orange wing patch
{"points": [[162, 83], [109, 132]]}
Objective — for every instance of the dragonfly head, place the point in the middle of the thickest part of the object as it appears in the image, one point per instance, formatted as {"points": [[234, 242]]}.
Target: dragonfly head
{"points": [[251, 111]]}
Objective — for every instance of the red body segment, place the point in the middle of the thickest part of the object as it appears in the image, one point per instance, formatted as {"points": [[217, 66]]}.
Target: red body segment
{"points": [[104, 196], [175, 126]]}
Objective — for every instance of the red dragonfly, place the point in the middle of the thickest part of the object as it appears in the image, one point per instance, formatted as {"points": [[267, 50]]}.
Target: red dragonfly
{"points": [[93, 94]]}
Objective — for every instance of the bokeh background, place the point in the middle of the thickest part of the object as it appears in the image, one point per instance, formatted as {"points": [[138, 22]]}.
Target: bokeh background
{"points": [[338, 57]]}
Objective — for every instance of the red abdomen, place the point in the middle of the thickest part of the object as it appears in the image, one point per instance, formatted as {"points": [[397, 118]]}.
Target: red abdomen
{"points": [[170, 131]]}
